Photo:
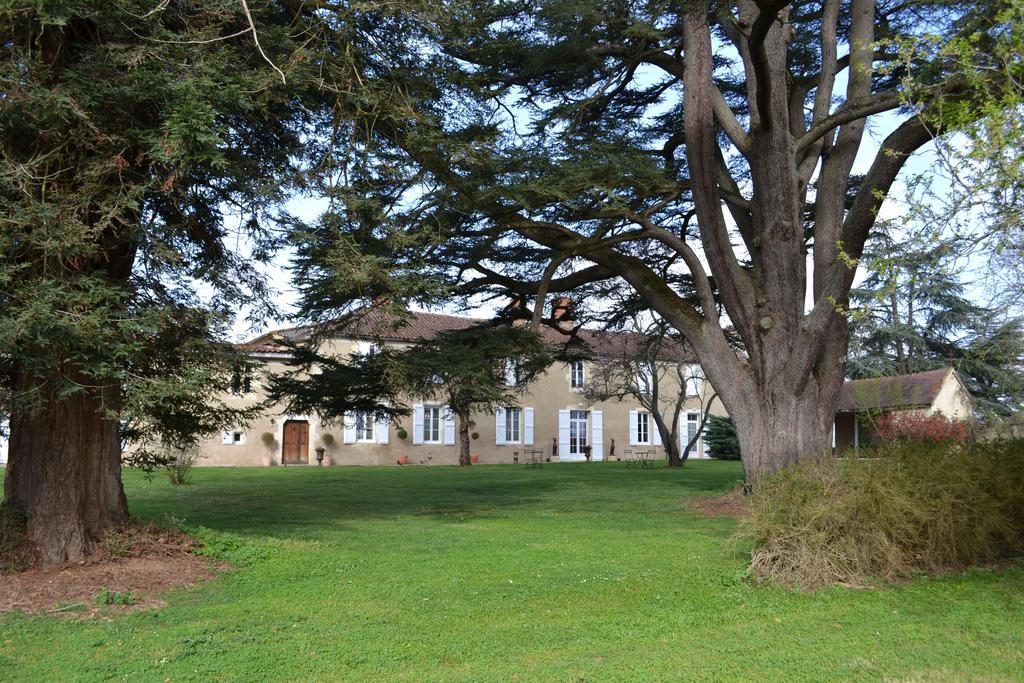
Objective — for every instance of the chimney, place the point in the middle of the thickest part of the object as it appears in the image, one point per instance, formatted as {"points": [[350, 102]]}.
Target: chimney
{"points": [[562, 312], [514, 309]]}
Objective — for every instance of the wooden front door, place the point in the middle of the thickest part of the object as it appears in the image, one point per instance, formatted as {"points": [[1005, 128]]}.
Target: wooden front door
{"points": [[295, 444]]}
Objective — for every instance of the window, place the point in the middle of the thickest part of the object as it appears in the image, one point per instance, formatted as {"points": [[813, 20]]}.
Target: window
{"points": [[233, 438], [513, 420], [365, 348], [511, 372], [576, 374], [695, 380], [692, 425], [643, 428], [241, 383], [578, 431], [364, 427], [644, 380], [431, 424]]}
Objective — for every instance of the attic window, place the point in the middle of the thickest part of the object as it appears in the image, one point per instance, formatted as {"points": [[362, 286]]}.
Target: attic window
{"points": [[241, 384]]}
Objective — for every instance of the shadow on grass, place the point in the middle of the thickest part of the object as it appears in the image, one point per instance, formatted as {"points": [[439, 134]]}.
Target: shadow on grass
{"points": [[301, 501]]}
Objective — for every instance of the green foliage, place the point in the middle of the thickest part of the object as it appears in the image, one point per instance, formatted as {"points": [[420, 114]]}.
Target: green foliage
{"points": [[904, 509], [145, 151], [721, 438], [108, 597], [331, 386], [470, 368], [467, 369], [180, 461], [974, 191], [912, 313]]}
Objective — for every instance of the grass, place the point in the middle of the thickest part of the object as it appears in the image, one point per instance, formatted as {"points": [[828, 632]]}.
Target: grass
{"points": [[572, 572]]}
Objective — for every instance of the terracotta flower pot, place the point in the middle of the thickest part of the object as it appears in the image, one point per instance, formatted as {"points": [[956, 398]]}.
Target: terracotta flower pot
{"points": [[474, 459], [266, 461], [403, 460], [328, 461]]}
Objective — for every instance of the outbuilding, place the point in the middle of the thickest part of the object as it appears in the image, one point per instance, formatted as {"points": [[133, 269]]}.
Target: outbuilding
{"points": [[862, 401]]}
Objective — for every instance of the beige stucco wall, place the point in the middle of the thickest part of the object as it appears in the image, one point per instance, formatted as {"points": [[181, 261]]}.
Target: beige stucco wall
{"points": [[547, 395], [953, 401]]}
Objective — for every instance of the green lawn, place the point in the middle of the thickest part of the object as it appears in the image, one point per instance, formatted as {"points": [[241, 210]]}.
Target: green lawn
{"points": [[572, 572]]}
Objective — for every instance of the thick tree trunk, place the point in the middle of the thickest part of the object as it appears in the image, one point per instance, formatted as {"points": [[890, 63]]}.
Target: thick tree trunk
{"points": [[64, 473], [777, 427], [464, 426]]}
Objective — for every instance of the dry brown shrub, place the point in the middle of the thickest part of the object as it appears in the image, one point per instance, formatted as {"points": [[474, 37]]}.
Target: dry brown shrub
{"points": [[908, 508]]}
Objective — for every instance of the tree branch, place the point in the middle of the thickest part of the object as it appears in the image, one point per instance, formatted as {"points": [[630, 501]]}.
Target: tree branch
{"points": [[850, 111], [768, 15]]}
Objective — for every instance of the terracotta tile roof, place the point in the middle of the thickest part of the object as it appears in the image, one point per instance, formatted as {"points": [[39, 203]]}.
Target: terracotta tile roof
{"points": [[904, 391], [423, 325]]}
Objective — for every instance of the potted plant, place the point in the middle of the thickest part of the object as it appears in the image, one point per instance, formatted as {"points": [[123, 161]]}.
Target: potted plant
{"points": [[403, 460], [268, 442], [474, 459], [475, 436], [402, 434]]}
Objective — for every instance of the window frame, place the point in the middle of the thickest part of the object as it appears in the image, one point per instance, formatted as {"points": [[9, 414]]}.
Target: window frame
{"points": [[237, 437], [578, 442], [361, 429], [643, 419], [581, 381], [240, 383], [513, 427], [429, 411]]}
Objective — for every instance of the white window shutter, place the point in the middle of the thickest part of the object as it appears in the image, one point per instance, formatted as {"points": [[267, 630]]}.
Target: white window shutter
{"points": [[382, 430], [449, 427], [349, 434], [527, 426], [597, 430], [563, 434], [417, 424], [655, 432], [499, 426], [227, 438], [634, 424]]}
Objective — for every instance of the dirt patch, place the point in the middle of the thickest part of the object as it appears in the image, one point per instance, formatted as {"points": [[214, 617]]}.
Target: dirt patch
{"points": [[137, 564], [733, 504]]}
